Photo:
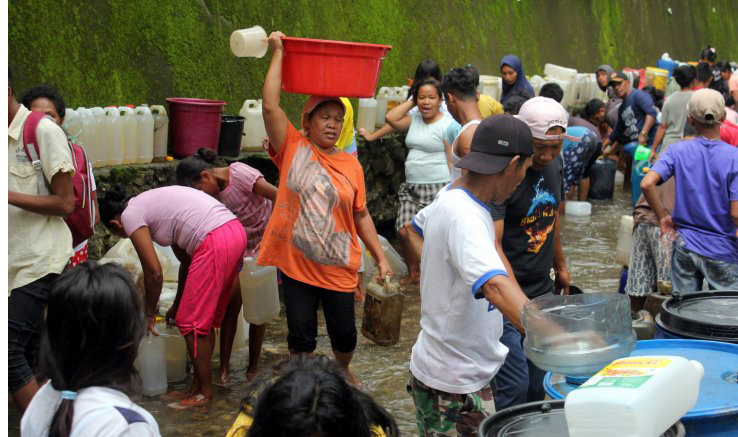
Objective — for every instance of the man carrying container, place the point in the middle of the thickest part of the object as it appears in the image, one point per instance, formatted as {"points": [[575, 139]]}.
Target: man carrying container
{"points": [[464, 286]]}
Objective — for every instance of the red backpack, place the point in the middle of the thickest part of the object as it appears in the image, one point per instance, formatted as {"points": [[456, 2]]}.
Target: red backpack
{"points": [[82, 221]]}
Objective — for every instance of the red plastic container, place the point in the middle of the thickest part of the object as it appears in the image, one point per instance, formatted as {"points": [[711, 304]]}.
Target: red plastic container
{"points": [[193, 123], [641, 72], [331, 68]]}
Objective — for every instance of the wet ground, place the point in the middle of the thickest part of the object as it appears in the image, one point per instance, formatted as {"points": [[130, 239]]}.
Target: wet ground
{"points": [[589, 245]]}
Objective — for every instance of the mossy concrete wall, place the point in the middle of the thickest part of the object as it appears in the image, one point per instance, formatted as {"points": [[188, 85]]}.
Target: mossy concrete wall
{"points": [[103, 52]]}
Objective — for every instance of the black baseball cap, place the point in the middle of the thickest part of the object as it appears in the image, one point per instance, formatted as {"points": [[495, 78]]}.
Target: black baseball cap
{"points": [[618, 76], [497, 140]]}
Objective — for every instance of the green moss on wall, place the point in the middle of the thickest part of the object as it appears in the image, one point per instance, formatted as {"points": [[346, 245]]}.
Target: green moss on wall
{"points": [[103, 52]]}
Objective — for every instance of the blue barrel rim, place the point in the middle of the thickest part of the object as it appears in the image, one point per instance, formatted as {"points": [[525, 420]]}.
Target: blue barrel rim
{"points": [[691, 415]]}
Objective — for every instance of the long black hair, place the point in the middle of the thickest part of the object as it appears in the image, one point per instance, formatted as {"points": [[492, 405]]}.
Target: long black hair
{"points": [[708, 53], [112, 204], [592, 107], [312, 398], [427, 69], [190, 168], [94, 324]]}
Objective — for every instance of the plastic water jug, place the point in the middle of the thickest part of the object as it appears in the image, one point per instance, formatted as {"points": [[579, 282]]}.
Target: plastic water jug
{"points": [[161, 132], [569, 88], [577, 208], [577, 335], [639, 396], [152, 366], [251, 42], [491, 86], [667, 64], [253, 127], [640, 168], [367, 114], [114, 135], [396, 262], [657, 77], [399, 96], [240, 341], [175, 351], [145, 126], [259, 292], [99, 137], [625, 240], [384, 94], [87, 133], [559, 72], [130, 135], [536, 82], [72, 123]]}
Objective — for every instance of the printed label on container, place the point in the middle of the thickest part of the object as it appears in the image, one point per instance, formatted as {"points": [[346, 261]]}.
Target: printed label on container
{"points": [[627, 373]]}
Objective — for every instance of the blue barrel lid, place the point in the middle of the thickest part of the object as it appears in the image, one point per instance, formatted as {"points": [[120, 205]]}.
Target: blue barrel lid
{"points": [[718, 389]]}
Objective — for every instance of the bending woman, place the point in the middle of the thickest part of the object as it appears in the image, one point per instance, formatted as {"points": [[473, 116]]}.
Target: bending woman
{"points": [[209, 242], [244, 191], [318, 216], [513, 77], [427, 166]]}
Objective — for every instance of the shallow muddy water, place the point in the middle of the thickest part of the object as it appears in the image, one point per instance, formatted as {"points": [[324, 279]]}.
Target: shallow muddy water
{"points": [[589, 245]]}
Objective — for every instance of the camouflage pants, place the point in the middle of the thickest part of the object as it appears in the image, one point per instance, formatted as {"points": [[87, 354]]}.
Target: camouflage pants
{"points": [[441, 414]]}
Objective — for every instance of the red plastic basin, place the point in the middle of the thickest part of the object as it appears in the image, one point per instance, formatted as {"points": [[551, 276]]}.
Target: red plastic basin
{"points": [[193, 123], [331, 68]]}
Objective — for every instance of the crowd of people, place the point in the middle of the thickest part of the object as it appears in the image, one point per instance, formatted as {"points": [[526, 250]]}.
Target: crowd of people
{"points": [[479, 222]]}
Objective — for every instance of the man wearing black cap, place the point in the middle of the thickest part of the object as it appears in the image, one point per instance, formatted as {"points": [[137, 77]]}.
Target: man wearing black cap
{"points": [[458, 351], [636, 116]]}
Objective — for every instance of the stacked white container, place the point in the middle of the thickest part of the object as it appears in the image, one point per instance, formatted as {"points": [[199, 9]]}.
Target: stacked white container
{"points": [[87, 134], [491, 86], [145, 127], [253, 127], [114, 134], [99, 137], [384, 94], [161, 132], [130, 135], [566, 78], [367, 114]]}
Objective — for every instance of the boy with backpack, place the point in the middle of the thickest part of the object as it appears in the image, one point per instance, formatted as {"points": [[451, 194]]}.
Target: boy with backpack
{"points": [[39, 242], [47, 100]]}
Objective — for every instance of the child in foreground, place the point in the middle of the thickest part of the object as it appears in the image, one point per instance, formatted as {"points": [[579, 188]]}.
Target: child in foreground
{"points": [[94, 324], [309, 396]]}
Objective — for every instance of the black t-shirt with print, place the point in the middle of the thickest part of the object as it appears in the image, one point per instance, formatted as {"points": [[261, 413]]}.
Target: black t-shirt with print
{"points": [[530, 216]]}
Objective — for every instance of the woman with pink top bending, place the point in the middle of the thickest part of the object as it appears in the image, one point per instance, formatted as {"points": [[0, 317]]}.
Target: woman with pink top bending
{"points": [[208, 240]]}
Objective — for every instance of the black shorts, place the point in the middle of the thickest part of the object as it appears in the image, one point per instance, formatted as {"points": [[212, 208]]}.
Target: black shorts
{"points": [[26, 307], [301, 304]]}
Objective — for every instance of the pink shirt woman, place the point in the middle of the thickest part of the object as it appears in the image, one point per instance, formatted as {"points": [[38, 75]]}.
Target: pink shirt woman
{"points": [[210, 243]]}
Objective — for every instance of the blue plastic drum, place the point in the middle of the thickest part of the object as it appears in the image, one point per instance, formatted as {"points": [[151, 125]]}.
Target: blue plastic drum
{"points": [[716, 412]]}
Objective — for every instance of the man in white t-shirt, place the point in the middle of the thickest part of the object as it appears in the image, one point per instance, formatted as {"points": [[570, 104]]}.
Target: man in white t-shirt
{"points": [[464, 286]]}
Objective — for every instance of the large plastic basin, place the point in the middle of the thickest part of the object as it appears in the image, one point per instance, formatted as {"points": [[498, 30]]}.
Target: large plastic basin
{"points": [[331, 68]]}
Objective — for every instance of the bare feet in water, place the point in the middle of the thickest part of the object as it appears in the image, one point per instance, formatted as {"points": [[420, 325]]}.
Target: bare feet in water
{"points": [[195, 400], [224, 376], [410, 284], [353, 380]]}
